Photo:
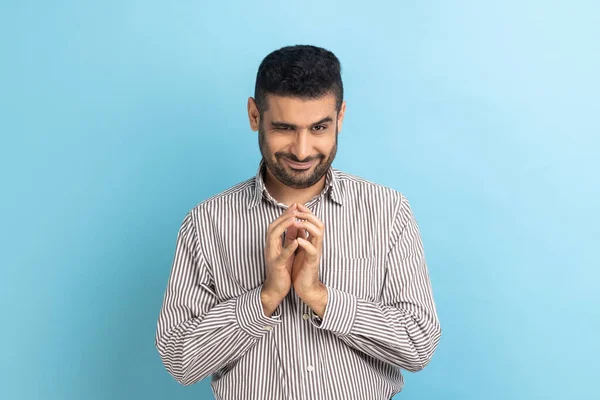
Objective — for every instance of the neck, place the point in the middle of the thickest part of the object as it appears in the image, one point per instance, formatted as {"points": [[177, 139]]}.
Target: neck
{"points": [[287, 195]]}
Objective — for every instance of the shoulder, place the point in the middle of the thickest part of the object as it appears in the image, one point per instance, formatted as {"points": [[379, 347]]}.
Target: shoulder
{"points": [[358, 188], [363, 194], [231, 198]]}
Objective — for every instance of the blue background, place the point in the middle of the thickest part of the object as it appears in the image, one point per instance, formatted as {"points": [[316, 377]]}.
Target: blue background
{"points": [[117, 117]]}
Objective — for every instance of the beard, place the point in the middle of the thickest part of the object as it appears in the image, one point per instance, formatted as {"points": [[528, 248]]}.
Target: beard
{"points": [[296, 179]]}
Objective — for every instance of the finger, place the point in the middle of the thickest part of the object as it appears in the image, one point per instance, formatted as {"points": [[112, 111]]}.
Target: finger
{"points": [[308, 226], [302, 233], [302, 207], [307, 246], [275, 230], [315, 233], [288, 251], [274, 235], [278, 227], [289, 213], [291, 233], [310, 217]]}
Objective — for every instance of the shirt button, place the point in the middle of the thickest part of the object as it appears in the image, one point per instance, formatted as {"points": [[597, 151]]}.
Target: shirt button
{"points": [[305, 316], [310, 368], [268, 328]]}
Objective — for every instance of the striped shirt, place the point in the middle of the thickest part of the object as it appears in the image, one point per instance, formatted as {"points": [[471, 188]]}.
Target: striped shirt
{"points": [[380, 315]]}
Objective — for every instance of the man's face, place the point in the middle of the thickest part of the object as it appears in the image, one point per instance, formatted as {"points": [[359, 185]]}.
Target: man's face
{"points": [[298, 138]]}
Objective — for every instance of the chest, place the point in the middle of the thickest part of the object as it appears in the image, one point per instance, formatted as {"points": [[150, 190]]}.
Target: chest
{"points": [[352, 258]]}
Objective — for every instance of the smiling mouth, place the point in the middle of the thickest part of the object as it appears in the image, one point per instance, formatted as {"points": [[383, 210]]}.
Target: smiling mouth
{"points": [[302, 166]]}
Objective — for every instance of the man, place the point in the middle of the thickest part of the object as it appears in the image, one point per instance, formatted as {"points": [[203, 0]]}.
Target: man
{"points": [[302, 282]]}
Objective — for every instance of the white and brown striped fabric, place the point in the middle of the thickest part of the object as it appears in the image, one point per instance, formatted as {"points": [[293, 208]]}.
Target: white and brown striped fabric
{"points": [[380, 316]]}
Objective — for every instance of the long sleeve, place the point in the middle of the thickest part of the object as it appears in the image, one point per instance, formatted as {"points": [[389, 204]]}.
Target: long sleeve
{"points": [[403, 328], [196, 335]]}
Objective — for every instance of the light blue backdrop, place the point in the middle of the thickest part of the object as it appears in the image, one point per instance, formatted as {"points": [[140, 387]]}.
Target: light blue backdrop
{"points": [[117, 117]]}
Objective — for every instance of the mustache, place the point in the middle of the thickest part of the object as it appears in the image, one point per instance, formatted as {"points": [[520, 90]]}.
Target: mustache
{"points": [[295, 159]]}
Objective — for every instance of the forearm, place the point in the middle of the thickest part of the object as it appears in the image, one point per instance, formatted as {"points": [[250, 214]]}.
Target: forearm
{"points": [[406, 337], [395, 335], [197, 347], [316, 300], [269, 302]]}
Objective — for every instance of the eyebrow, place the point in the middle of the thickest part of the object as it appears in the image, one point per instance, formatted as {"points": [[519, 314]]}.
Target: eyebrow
{"points": [[286, 125]]}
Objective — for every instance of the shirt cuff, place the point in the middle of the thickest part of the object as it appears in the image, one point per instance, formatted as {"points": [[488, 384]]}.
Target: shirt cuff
{"points": [[250, 315], [340, 312]]}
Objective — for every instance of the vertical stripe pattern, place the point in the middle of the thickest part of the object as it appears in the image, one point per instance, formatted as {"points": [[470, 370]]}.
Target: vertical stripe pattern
{"points": [[380, 315]]}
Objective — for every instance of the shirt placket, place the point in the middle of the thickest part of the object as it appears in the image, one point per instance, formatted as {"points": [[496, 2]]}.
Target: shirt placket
{"points": [[310, 367], [288, 377], [307, 351]]}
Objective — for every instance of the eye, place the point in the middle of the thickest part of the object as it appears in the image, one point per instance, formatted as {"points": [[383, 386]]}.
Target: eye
{"points": [[320, 127]]}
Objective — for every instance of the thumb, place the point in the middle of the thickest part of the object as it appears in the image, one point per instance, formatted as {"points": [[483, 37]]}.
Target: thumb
{"points": [[289, 250]]}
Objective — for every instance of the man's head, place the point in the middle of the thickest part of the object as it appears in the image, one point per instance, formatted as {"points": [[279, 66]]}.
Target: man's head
{"points": [[298, 110]]}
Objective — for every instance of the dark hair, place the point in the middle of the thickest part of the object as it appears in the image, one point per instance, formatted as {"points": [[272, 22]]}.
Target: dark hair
{"points": [[304, 71]]}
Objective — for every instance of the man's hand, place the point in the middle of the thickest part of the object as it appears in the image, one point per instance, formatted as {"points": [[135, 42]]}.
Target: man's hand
{"points": [[279, 260], [305, 269]]}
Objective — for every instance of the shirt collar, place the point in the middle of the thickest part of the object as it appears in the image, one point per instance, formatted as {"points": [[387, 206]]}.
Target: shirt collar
{"points": [[332, 186]]}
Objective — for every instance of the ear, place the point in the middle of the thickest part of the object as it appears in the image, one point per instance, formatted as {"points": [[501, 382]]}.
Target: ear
{"points": [[340, 118], [253, 114]]}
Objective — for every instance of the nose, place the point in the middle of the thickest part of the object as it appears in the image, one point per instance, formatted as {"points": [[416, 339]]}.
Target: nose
{"points": [[301, 147]]}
